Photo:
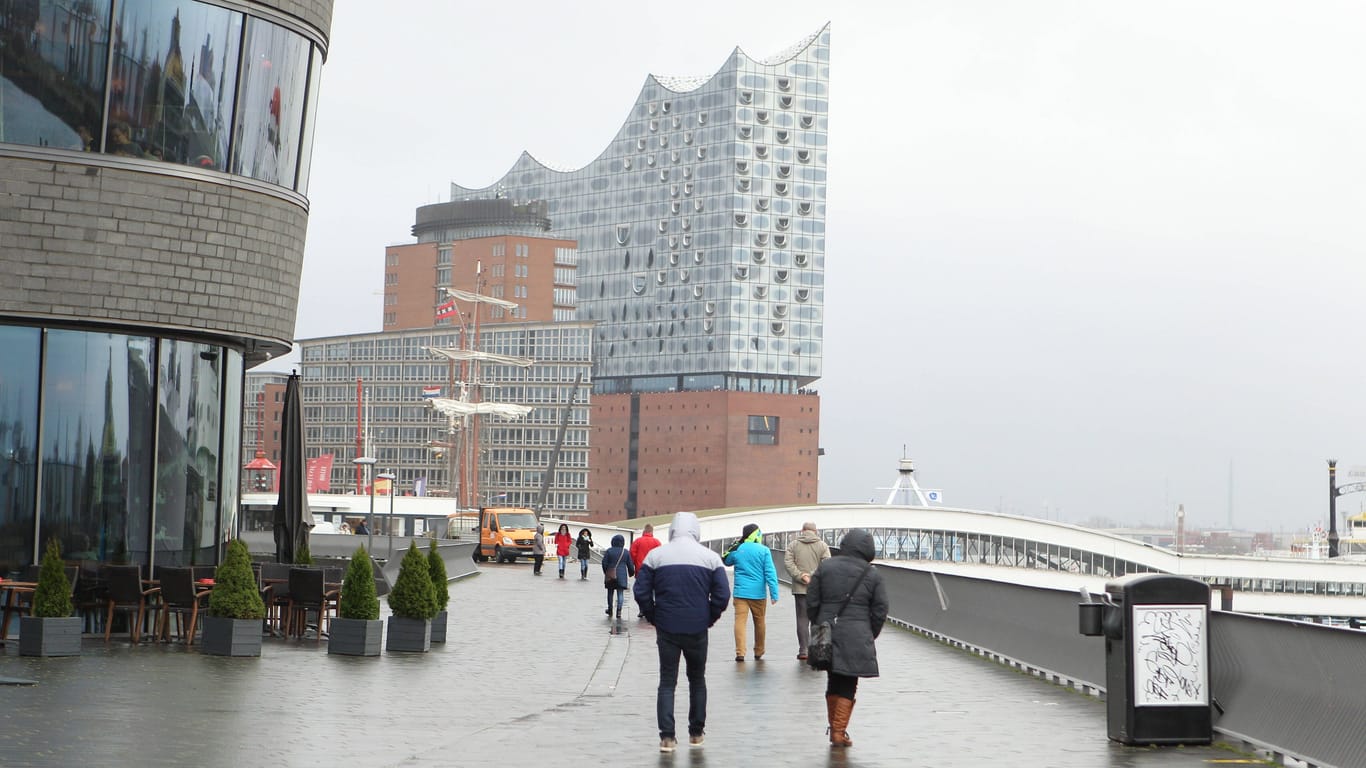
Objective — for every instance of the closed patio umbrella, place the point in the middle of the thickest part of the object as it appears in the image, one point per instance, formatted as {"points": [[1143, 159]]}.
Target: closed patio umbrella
{"points": [[292, 516]]}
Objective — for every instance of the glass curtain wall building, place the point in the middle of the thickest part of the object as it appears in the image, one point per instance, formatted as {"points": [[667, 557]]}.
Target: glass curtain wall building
{"points": [[153, 160], [701, 228]]}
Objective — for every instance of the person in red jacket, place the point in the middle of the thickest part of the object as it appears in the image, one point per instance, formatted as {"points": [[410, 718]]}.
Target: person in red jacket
{"points": [[563, 541], [642, 545]]}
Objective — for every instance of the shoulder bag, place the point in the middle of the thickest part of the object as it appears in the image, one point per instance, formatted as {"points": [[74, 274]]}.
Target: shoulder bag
{"points": [[820, 652], [609, 579]]}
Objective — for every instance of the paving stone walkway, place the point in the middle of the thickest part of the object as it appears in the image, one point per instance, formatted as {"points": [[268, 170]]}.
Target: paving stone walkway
{"points": [[535, 673]]}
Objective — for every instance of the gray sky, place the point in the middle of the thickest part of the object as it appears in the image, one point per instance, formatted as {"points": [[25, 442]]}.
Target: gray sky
{"points": [[1081, 256]]}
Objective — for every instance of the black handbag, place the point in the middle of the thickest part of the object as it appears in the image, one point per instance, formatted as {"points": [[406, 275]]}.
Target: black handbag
{"points": [[820, 651]]}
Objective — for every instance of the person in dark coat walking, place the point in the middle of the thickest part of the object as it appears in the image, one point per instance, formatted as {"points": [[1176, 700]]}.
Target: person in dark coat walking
{"points": [[616, 562], [850, 574], [584, 547]]}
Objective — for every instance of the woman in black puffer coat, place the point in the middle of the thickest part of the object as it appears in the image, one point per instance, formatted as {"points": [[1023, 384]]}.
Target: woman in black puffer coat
{"points": [[857, 627]]}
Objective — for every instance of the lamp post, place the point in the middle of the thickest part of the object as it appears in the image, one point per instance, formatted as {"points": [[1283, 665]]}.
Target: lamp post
{"points": [[391, 477], [369, 461]]}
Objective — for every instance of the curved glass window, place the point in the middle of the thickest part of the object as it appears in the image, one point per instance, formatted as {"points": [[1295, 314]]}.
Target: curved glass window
{"points": [[270, 108], [174, 78], [169, 72], [18, 444], [53, 56], [188, 436], [97, 445]]}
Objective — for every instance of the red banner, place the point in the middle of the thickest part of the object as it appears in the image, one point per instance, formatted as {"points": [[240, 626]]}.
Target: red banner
{"points": [[320, 474]]}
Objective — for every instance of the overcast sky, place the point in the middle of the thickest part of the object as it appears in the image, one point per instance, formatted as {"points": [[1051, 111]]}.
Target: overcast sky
{"points": [[1082, 257]]}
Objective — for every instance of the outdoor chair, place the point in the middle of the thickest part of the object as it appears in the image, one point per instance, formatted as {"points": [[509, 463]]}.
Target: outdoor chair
{"points": [[125, 592], [308, 592], [181, 598], [275, 577]]}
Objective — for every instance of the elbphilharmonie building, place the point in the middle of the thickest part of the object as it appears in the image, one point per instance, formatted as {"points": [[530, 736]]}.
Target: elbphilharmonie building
{"points": [[701, 238]]}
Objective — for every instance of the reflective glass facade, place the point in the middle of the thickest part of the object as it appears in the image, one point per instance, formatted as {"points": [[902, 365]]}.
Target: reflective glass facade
{"points": [[114, 445], [701, 228], [169, 72]]}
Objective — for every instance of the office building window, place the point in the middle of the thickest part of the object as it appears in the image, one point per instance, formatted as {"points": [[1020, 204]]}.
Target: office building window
{"points": [[763, 430]]}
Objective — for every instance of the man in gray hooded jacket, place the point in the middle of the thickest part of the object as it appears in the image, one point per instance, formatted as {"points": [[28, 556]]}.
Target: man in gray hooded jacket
{"points": [[804, 554], [682, 589]]}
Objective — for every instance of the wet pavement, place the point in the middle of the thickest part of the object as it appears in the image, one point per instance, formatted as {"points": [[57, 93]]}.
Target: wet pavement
{"points": [[534, 672]]}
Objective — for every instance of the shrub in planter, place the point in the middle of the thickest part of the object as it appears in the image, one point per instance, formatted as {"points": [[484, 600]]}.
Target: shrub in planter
{"points": [[233, 626], [303, 556], [51, 630], [413, 602], [357, 629], [441, 587]]}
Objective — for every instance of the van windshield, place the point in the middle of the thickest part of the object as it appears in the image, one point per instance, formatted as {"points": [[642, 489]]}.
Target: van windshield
{"points": [[517, 520]]}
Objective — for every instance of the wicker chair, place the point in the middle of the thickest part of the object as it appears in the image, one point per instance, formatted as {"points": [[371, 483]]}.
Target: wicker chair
{"points": [[124, 592]]}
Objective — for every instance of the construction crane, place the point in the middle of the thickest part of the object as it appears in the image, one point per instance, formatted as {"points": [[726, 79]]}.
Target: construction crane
{"points": [[559, 443]]}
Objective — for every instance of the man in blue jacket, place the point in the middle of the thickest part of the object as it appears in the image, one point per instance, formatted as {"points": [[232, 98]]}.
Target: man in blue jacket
{"points": [[682, 590], [755, 579]]}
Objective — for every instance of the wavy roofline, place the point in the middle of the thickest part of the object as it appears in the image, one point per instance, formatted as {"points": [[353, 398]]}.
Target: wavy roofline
{"points": [[787, 54]]}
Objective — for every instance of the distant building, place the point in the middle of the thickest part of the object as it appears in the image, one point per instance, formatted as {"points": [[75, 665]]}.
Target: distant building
{"points": [[701, 245], [154, 171], [496, 248], [391, 422]]}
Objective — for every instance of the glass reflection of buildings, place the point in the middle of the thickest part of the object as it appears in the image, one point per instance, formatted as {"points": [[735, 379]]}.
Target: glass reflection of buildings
{"points": [[120, 420]]}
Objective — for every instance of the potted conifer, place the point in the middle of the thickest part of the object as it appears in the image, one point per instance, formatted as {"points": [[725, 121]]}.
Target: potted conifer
{"points": [[441, 587], [357, 629], [51, 630], [413, 604], [233, 624]]}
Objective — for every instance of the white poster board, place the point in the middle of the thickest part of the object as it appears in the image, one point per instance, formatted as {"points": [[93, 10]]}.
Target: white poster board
{"points": [[1170, 649]]}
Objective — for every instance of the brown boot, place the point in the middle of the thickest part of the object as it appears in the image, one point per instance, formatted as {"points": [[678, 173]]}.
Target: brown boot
{"points": [[840, 710]]}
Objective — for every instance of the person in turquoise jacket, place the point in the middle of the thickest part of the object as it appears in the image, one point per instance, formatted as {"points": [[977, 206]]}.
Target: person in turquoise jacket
{"points": [[756, 578]]}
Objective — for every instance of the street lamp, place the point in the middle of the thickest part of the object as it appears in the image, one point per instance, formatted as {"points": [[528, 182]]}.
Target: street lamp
{"points": [[391, 477], [369, 461]]}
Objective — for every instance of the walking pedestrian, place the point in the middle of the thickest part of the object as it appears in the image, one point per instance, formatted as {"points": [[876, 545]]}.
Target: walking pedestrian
{"points": [[645, 542], [538, 549], [682, 590], [755, 580], [617, 569], [563, 541], [584, 545], [803, 555], [848, 586]]}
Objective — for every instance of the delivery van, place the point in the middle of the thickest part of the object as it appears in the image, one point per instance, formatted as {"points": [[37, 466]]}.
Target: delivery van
{"points": [[505, 534]]}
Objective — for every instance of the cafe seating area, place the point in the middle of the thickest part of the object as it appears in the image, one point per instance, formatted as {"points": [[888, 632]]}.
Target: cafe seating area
{"points": [[167, 604]]}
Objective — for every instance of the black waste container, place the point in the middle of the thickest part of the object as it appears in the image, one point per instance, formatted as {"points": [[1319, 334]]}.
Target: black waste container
{"points": [[1156, 631]]}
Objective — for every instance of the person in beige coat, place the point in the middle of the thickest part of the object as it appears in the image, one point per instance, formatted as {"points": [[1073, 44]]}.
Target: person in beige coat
{"points": [[804, 554]]}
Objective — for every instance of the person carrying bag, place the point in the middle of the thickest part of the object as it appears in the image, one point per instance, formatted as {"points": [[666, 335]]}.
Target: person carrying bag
{"points": [[617, 568], [847, 595]]}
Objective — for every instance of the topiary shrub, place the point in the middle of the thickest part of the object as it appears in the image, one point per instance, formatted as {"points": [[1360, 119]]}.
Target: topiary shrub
{"points": [[235, 593], [303, 556], [440, 584], [412, 596], [358, 598], [52, 596]]}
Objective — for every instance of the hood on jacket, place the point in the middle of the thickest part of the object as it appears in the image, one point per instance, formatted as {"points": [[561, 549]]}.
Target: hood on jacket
{"points": [[618, 540], [540, 527], [858, 543], [685, 523], [810, 537]]}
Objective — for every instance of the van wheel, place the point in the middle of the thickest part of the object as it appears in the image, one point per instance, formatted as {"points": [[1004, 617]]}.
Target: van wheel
{"points": [[479, 555], [497, 554]]}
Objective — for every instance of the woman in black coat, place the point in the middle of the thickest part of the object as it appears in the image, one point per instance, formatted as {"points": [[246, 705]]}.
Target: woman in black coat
{"points": [[848, 574]]}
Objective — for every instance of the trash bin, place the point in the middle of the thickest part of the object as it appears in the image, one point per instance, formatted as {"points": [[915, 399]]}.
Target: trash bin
{"points": [[1156, 630]]}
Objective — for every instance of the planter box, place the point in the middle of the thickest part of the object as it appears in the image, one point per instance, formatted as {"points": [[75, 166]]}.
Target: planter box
{"points": [[439, 628], [49, 637], [355, 637], [230, 637], [409, 635]]}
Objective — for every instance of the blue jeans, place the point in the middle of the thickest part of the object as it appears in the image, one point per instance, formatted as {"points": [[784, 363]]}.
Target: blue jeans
{"points": [[693, 648], [621, 599], [583, 567], [563, 559]]}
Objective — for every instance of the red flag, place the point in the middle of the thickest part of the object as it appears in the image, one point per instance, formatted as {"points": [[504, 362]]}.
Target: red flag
{"points": [[446, 310], [320, 474]]}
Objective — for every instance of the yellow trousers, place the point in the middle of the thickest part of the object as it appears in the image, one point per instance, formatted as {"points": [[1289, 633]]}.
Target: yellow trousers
{"points": [[743, 609]]}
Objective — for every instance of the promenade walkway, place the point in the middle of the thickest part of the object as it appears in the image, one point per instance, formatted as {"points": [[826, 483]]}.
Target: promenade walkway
{"points": [[534, 673]]}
